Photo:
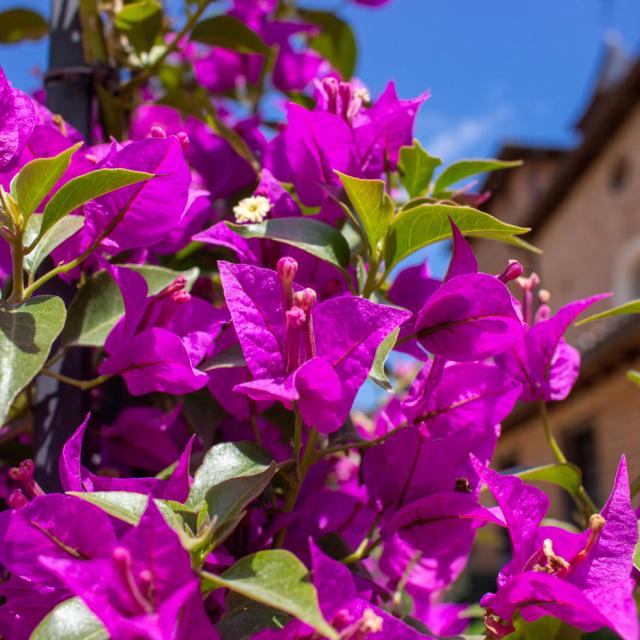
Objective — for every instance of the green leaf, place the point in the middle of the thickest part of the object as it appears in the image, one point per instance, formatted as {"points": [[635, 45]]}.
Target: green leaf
{"points": [[335, 42], [244, 618], [87, 187], [633, 376], [21, 24], [567, 476], [229, 33], [312, 236], [277, 579], [141, 22], [70, 620], [53, 238], [223, 462], [423, 225], [628, 308], [377, 373], [466, 168], [227, 500], [125, 505], [27, 331], [372, 205], [548, 628], [36, 179], [416, 169], [231, 358], [98, 305]]}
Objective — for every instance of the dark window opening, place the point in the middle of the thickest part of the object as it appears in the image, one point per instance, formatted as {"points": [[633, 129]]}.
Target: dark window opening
{"points": [[619, 175], [580, 449]]}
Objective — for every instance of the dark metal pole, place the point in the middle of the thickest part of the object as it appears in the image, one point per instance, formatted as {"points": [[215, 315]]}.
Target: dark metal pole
{"points": [[69, 86], [69, 81]]}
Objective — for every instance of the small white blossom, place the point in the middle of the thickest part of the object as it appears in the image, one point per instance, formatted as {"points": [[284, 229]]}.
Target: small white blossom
{"points": [[253, 209]]}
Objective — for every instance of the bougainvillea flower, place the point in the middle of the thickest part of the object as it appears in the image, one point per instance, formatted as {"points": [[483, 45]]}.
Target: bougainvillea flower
{"points": [[165, 195], [75, 477], [161, 338], [347, 610], [459, 398], [471, 317], [387, 125], [542, 361], [17, 120], [314, 355], [583, 579], [54, 525], [145, 438], [145, 588], [428, 504], [315, 145], [25, 604]]}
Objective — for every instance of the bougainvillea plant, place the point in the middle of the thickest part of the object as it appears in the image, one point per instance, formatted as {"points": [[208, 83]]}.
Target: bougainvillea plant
{"points": [[226, 247]]}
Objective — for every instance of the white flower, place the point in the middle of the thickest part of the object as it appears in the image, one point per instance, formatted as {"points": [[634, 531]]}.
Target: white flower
{"points": [[253, 209]]}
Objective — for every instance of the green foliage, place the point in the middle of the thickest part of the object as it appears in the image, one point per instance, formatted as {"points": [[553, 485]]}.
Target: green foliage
{"points": [[425, 224], [547, 628], [564, 475], [372, 205], [127, 506], [377, 373], [229, 33], [27, 331], [416, 169], [628, 308], [52, 238], [465, 169], [224, 462], [98, 305], [34, 181], [87, 187], [70, 620], [335, 42], [21, 24], [141, 22], [276, 579], [244, 618], [312, 236]]}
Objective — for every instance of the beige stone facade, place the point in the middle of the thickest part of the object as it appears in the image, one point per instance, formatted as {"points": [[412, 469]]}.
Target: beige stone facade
{"points": [[584, 207]]}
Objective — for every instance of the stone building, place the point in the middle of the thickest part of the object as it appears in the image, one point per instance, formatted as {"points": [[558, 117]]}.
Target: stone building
{"points": [[583, 205]]}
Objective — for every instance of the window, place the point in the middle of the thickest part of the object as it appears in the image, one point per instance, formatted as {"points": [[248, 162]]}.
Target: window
{"points": [[619, 175], [580, 449]]}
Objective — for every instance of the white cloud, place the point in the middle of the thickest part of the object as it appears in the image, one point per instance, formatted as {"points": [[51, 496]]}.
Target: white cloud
{"points": [[455, 139]]}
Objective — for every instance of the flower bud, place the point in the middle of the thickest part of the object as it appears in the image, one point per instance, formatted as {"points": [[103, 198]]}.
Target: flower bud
{"points": [[513, 271], [157, 132], [183, 139], [17, 499], [287, 268], [305, 299]]}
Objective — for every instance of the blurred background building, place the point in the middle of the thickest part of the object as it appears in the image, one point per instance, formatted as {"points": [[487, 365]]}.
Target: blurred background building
{"points": [[583, 204]]}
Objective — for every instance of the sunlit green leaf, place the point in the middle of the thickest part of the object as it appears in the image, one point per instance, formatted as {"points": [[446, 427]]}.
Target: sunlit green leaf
{"points": [[466, 168], [416, 169], [34, 181], [229, 33], [21, 24], [70, 620], [275, 578], [84, 188], [27, 331]]}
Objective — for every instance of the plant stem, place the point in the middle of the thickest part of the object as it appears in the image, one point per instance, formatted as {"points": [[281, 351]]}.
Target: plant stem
{"points": [[173, 46], [301, 471], [67, 266], [17, 263], [362, 444], [582, 498], [555, 447], [80, 384]]}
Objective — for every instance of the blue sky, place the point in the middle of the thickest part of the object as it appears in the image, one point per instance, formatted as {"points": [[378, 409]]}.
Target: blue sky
{"points": [[499, 69]]}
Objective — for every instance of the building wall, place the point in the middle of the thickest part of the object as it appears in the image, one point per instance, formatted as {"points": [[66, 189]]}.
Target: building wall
{"points": [[591, 244]]}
